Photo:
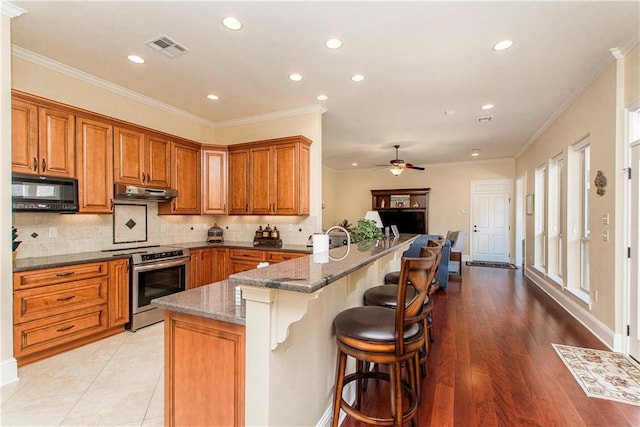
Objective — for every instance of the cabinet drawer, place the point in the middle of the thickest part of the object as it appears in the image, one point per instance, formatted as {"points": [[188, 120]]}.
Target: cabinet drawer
{"points": [[53, 276], [43, 334], [240, 266], [273, 256], [248, 254], [32, 304]]}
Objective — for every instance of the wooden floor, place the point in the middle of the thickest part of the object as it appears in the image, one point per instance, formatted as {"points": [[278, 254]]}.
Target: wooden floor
{"points": [[492, 363]]}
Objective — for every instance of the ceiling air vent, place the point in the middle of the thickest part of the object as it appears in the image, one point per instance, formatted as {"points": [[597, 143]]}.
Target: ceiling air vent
{"points": [[167, 46], [485, 119]]}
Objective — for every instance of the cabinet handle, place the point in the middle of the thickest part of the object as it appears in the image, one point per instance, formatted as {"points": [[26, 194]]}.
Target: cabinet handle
{"points": [[65, 328], [66, 298], [246, 208], [224, 208], [35, 164], [148, 178], [44, 165], [174, 205], [143, 178], [110, 204], [66, 273]]}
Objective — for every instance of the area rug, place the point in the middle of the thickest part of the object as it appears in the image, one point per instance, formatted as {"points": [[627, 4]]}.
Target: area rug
{"points": [[491, 264], [603, 374]]}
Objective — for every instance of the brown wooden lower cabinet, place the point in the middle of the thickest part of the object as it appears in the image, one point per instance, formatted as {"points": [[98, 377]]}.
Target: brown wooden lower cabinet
{"points": [[57, 309], [204, 371]]}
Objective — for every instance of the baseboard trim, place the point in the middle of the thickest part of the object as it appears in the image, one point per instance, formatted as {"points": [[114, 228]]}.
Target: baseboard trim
{"points": [[574, 308], [8, 371]]}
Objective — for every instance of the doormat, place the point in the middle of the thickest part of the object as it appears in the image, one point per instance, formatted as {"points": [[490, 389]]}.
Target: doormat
{"points": [[491, 264], [603, 374]]}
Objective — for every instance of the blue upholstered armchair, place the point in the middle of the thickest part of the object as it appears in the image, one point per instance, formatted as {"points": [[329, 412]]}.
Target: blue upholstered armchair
{"points": [[443, 268]]}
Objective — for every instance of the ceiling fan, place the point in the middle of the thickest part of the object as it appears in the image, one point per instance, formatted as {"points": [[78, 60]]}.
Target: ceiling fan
{"points": [[396, 166]]}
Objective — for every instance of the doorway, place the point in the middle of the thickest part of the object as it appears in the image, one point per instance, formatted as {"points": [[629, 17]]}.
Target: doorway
{"points": [[634, 259], [491, 220], [519, 225]]}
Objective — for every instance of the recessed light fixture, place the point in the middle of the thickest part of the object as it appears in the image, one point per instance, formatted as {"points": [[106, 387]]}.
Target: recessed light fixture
{"points": [[136, 59], [232, 23], [357, 78], [213, 97], [322, 97], [487, 106], [502, 45], [354, 164], [295, 77], [333, 44], [475, 152]]}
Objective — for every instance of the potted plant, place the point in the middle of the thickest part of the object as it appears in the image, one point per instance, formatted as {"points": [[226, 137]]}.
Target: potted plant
{"points": [[16, 243], [365, 229], [345, 224]]}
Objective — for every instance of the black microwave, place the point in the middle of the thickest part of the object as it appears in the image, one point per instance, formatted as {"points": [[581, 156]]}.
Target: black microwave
{"points": [[44, 193]]}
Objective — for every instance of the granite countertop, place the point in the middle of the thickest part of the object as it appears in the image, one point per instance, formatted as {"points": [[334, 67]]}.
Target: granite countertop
{"points": [[218, 301], [37, 263], [310, 273]]}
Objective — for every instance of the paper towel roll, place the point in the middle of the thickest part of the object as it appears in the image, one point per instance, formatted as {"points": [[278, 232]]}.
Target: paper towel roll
{"points": [[320, 243], [321, 257]]}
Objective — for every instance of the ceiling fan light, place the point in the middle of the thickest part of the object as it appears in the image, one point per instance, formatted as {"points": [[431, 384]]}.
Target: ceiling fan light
{"points": [[395, 170]]}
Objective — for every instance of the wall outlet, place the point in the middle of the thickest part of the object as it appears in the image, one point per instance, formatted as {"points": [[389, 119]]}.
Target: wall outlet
{"points": [[163, 228], [594, 295], [53, 232]]}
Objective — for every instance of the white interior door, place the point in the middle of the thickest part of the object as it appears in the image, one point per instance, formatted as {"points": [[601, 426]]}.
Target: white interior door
{"points": [[490, 220], [634, 266]]}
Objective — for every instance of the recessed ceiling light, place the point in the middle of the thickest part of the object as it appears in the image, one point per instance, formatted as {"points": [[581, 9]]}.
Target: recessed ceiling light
{"points": [[502, 45], [357, 78], [322, 97], [213, 97], [136, 59], [295, 77], [333, 44], [232, 23], [475, 152], [487, 106], [354, 164]]}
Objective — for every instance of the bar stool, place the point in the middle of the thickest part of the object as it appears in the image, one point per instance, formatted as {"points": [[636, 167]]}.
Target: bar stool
{"points": [[374, 334], [383, 296]]}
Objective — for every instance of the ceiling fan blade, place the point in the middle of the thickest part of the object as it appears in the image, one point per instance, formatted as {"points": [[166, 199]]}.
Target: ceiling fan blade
{"points": [[410, 166]]}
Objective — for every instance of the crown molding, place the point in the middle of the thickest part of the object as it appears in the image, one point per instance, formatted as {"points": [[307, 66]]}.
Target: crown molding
{"points": [[430, 165], [581, 89], [35, 58], [275, 115], [10, 10]]}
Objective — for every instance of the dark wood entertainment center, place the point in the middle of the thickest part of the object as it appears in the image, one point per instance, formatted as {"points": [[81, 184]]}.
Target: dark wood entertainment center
{"points": [[407, 208]]}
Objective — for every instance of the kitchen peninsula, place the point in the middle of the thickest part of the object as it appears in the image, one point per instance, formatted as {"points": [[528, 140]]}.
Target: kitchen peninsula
{"points": [[266, 356]]}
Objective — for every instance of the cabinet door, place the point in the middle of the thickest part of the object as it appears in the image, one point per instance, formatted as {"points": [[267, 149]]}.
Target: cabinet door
{"points": [[94, 155], [304, 180], [220, 264], [24, 137], [214, 182], [193, 280], [128, 154], [56, 142], [260, 163], [118, 292], [286, 182], [238, 182], [158, 162], [185, 177]]}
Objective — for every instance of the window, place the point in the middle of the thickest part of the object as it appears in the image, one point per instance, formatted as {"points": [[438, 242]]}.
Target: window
{"points": [[555, 207], [539, 219], [577, 239]]}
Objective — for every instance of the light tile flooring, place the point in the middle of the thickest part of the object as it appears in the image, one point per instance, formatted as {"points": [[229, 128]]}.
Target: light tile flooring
{"points": [[117, 381]]}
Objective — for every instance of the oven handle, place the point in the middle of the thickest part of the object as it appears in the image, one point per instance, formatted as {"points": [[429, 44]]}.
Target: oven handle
{"points": [[159, 265]]}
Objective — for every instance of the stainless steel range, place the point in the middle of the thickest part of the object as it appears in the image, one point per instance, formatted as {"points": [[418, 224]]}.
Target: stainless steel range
{"points": [[156, 271]]}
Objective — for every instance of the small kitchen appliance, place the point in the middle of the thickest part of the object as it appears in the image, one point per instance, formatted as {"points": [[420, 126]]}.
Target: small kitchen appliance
{"points": [[214, 235]]}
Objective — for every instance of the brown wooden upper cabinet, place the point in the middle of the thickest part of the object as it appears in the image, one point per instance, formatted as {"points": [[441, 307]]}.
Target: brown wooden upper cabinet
{"points": [[270, 177], [94, 155], [185, 177], [214, 181], [43, 139], [141, 159]]}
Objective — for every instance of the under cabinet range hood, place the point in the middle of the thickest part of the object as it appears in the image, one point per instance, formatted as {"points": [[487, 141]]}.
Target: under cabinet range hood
{"points": [[131, 192]]}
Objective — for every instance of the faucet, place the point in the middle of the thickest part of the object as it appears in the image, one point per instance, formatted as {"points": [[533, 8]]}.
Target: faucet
{"points": [[348, 241]]}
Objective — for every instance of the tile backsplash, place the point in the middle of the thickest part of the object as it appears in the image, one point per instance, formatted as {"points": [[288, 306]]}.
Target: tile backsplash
{"points": [[46, 234]]}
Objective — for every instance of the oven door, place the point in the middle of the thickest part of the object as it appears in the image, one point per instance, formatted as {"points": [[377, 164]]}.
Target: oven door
{"points": [[155, 280]]}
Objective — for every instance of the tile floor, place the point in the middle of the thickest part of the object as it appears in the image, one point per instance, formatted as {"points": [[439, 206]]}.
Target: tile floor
{"points": [[117, 381]]}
